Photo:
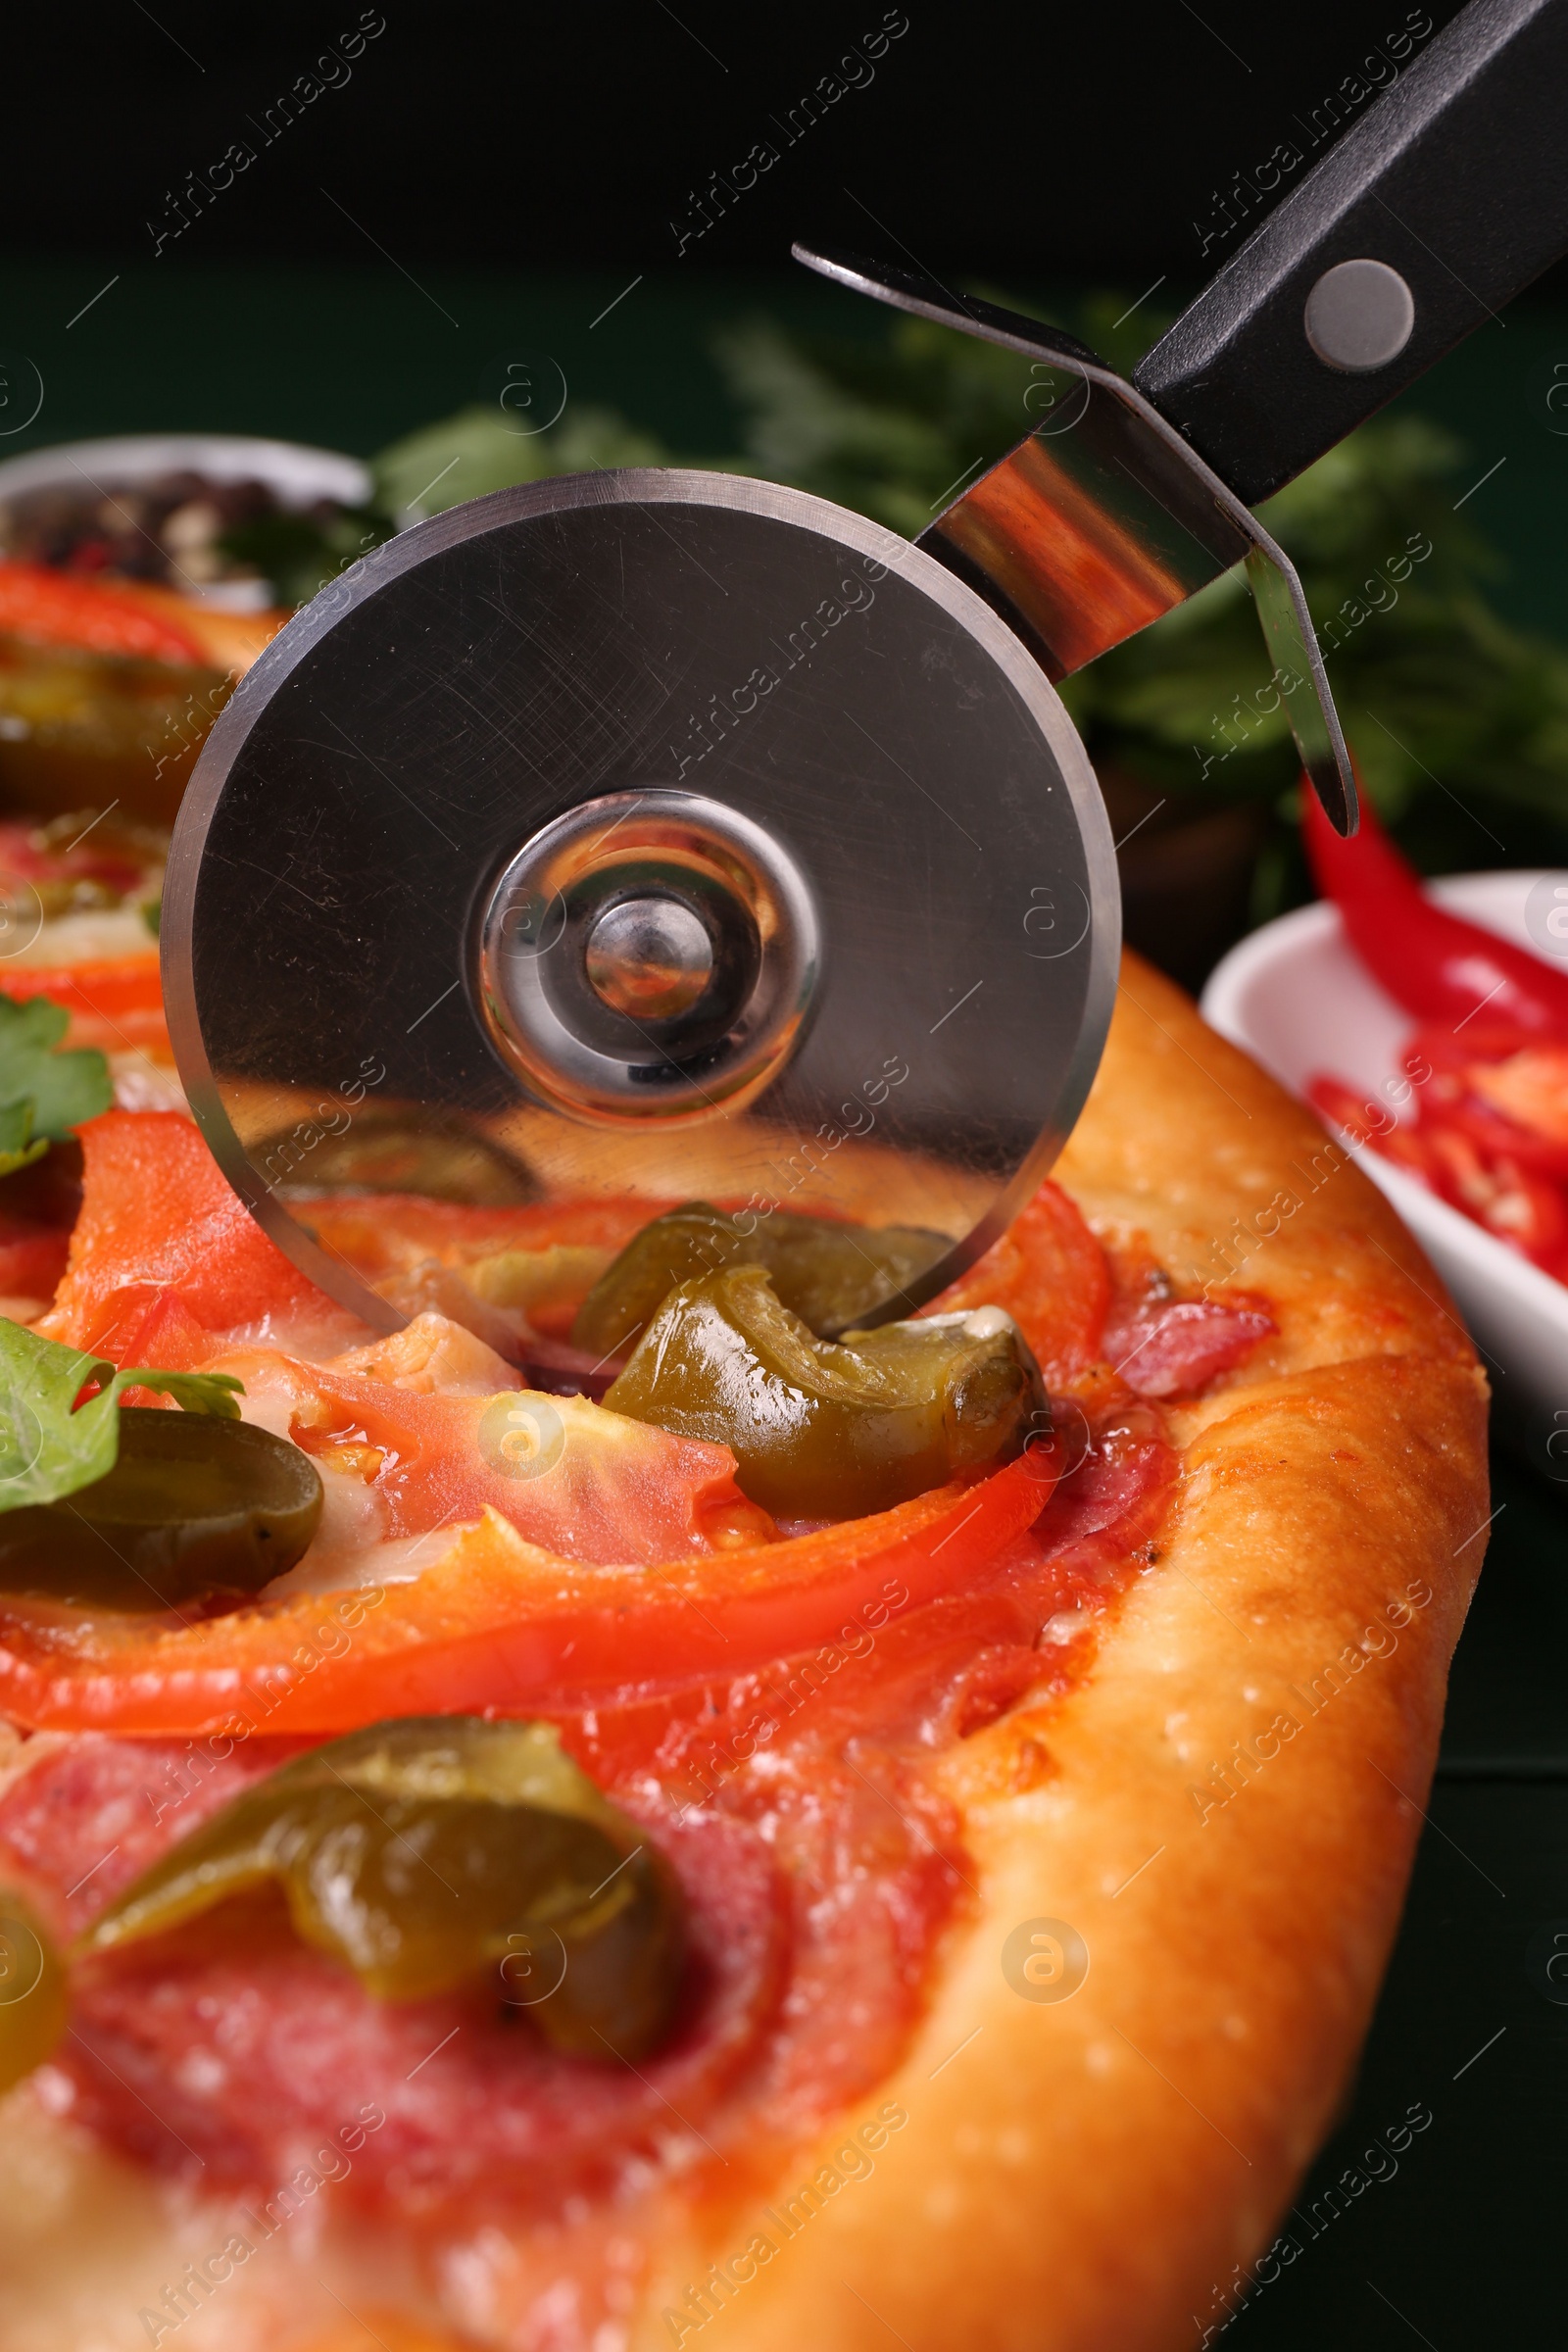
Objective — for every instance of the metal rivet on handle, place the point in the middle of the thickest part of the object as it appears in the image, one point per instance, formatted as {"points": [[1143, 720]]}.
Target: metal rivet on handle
{"points": [[1359, 315]]}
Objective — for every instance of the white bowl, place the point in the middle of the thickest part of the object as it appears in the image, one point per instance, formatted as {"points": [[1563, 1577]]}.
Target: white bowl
{"points": [[297, 475], [1297, 998], [300, 475]]}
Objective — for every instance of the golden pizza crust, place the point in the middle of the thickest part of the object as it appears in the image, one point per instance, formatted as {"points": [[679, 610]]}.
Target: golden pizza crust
{"points": [[1219, 1821], [1225, 1810]]}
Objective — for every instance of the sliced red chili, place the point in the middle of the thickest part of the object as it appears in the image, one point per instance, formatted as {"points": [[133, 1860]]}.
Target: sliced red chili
{"points": [[1434, 963]]}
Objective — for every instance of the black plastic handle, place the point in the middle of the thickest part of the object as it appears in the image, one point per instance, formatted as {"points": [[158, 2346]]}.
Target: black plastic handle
{"points": [[1456, 179]]}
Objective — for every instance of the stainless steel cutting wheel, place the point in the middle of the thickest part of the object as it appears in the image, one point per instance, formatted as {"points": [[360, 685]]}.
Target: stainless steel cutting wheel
{"points": [[648, 833]]}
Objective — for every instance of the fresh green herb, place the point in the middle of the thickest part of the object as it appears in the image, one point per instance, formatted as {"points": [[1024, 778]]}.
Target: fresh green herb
{"points": [[152, 913], [43, 1093], [46, 1447], [297, 553], [477, 451]]}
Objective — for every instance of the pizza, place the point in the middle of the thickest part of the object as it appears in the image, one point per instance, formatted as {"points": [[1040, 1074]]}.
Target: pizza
{"points": [[968, 1906]]}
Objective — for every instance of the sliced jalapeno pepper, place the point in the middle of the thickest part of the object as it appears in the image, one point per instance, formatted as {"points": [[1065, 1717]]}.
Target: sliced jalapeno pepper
{"points": [[829, 1274], [32, 1992], [381, 1149], [829, 1429], [429, 1852], [194, 1508]]}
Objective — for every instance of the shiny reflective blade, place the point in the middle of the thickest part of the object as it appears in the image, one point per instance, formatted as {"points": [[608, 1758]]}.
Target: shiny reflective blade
{"points": [[625, 839], [1104, 519]]}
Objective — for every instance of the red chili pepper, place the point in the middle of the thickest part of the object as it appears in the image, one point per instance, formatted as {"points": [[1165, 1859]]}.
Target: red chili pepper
{"points": [[1442, 1048], [1498, 1139], [1362, 1120], [1434, 963], [1525, 1210], [1366, 1122]]}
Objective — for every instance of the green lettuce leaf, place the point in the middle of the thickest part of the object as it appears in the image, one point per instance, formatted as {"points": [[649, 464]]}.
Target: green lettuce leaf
{"points": [[58, 1090], [48, 1449]]}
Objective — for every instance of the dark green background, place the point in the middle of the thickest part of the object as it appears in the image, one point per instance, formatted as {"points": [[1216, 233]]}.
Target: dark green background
{"points": [[354, 360], [1461, 2247]]}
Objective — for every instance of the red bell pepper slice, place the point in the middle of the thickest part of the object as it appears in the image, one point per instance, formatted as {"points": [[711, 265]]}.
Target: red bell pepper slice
{"points": [[503, 1626], [115, 1003], [51, 608]]}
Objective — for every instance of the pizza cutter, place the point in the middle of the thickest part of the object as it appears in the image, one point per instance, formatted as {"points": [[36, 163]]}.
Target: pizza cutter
{"points": [[672, 834]]}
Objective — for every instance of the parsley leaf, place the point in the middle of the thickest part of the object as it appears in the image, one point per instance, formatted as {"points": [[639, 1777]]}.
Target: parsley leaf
{"points": [[46, 1448], [44, 1093], [18, 1147]]}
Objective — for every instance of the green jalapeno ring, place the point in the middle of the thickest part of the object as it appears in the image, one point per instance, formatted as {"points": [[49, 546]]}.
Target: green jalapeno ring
{"points": [[194, 1508], [991, 1381], [427, 1852], [33, 2001], [829, 1273], [830, 1428], [422, 1853]]}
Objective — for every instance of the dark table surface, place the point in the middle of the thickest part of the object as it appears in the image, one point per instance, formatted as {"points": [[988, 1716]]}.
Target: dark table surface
{"points": [[1451, 2241]]}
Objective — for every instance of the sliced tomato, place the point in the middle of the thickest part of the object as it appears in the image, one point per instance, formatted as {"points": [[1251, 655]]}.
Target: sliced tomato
{"points": [[152, 1325], [157, 1214], [51, 608], [581, 1483], [1051, 1274], [501, 1627]]}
